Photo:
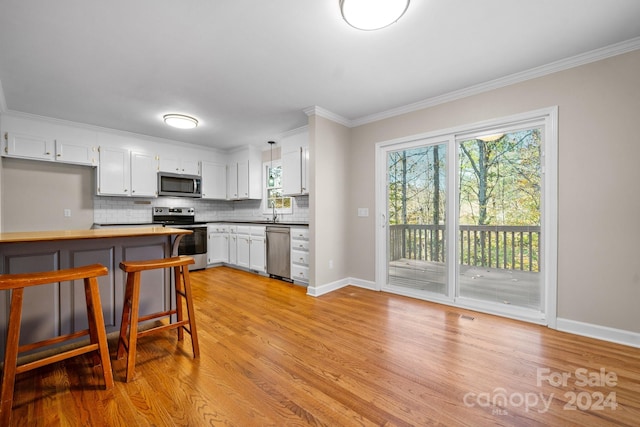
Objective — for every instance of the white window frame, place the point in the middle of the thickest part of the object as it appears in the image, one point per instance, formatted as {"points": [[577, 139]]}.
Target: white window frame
{"points": [[266, 209]]}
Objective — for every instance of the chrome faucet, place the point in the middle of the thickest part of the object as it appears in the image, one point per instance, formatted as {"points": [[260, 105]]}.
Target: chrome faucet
{"points": [[275, 214]]}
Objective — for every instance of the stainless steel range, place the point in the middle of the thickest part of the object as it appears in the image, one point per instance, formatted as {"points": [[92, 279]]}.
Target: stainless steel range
{"points": [[194, 245]]}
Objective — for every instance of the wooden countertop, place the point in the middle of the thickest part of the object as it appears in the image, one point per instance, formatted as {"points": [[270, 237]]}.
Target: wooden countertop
{"points": [[100, 233]]}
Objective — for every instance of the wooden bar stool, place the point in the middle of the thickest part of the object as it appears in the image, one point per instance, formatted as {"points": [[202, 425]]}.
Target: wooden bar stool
{"points": [[129, 332], [97, 333]]}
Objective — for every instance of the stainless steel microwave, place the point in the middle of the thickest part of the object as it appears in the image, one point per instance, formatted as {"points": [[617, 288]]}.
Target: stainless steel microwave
{"points": [[172, 184]]}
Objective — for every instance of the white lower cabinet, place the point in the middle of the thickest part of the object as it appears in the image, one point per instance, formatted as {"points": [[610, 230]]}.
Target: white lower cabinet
{"points": [[300, 254], [233, 245], [218, 244], [258, 249], [247, 247], [243, 246]]}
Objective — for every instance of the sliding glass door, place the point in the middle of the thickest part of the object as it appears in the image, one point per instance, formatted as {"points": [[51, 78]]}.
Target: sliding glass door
{"points": [[417, 196], [499, 201], [464, 217]]}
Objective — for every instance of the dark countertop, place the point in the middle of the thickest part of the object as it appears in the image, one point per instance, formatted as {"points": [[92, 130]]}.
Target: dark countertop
{"points": [[282, 224], [136, 224]]}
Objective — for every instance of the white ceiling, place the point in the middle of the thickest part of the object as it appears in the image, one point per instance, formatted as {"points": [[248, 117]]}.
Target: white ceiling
{"points": [[248, 68]]}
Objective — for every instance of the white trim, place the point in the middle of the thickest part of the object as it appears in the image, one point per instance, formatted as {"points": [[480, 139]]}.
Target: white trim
{"points": [[553, 67], [265, 191], [319, 111], [533, 73], [619, 336], [316, 291], [292, 132]]}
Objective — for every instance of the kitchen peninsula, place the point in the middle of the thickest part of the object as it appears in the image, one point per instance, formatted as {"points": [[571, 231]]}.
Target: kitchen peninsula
{"points": [[59, 309]]}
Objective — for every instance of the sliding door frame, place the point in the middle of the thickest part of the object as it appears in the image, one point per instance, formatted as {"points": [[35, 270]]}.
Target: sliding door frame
{"points": [[548, 117]]}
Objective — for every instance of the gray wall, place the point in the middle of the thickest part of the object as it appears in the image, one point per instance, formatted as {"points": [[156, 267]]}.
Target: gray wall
{"points": [[599, 201], [35, 195], [328, 201]]}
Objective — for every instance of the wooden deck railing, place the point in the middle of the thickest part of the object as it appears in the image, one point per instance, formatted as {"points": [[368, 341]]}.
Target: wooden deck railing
{"points": [[505, 247]]}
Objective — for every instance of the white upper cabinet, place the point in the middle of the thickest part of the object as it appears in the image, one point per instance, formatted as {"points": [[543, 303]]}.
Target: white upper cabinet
{"points": [[114, 173], [244, 174], [29, 146], [125, 173], [295, 164], [214, 180], [176, 164], [76, 152], [295, 167], [28, 138], [144, 175], [65, 150]]}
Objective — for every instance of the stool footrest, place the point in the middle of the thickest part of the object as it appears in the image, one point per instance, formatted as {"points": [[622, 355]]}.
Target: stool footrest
{"points": [[152, 264], [162, 328], [156, 315], [56, 358], [51, 341]]}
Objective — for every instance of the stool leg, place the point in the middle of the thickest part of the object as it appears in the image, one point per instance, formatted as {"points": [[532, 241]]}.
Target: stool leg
{"points": [[97, 330], [11, 357], [190, 311], [130, 318], [178, 273], [126, 318]]}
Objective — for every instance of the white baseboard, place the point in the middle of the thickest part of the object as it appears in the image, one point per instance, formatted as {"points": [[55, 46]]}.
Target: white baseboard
{"points": [[619, 336], [316, 291]]}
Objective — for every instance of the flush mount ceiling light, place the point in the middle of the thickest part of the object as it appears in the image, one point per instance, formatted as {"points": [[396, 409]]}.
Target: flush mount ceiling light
{"points": [[372, 14], [180, 121]]}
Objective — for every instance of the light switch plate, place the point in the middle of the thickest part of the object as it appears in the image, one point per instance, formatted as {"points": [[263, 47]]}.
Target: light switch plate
{"points": [[363, 212]]}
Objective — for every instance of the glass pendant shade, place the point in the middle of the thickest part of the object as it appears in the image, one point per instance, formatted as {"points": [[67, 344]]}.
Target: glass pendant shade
{"points": [[372, 14], [271, 181]]}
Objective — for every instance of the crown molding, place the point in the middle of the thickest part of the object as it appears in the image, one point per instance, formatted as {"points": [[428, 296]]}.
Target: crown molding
{"points": [[553, 67], [294, 131], [319, 111]]}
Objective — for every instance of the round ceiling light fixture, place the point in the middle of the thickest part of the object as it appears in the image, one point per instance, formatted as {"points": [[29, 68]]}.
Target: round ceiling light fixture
{"points": [[372, 14], [180, 121]]}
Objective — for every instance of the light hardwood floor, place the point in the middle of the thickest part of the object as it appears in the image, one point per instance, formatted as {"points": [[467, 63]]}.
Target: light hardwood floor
{"points": [[271, 355]]}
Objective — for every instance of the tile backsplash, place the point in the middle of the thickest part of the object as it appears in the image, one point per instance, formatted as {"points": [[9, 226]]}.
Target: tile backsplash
{"points": [[126, 210]]}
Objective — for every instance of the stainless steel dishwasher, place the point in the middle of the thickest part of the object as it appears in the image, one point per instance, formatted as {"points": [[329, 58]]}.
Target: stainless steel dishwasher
{"points": [[278, 252]]}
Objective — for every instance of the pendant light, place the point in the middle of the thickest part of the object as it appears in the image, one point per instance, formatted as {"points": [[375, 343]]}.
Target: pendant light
{"points": [[272, 180]]}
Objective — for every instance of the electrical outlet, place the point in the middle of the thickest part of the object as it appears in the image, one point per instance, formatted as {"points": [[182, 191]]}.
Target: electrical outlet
{"points": [[67, 213], [330, 263]]}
